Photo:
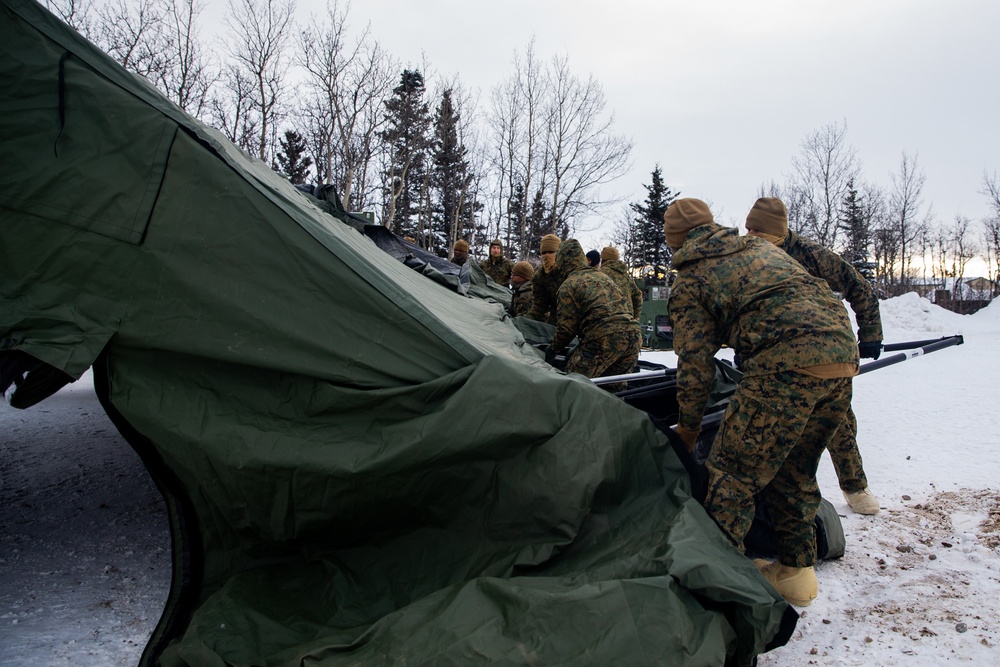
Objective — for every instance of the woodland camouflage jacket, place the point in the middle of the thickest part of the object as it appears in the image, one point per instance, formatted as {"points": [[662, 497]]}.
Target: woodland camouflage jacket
{"points": [[498, 268], [617, 271], [843, 278], [589, 304], [746, 293], [520, 303]]}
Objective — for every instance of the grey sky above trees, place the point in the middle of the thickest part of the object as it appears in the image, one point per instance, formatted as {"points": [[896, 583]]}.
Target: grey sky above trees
{"points": [[721, 95]]}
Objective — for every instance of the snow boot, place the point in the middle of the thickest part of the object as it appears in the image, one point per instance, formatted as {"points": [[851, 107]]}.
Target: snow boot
{"points": [[797, 585], [862, 502]]}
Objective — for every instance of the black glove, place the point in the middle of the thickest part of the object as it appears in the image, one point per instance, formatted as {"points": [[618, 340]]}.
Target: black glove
{"points": [[870, 350], [688, 437], [550, 356]]}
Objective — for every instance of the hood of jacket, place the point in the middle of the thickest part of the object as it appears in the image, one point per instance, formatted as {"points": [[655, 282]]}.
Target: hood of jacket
{"points": [[710, 240], [570, 257], [615, 266]]}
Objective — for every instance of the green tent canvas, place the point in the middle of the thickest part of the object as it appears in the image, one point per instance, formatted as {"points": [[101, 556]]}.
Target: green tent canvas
{"points": [[360, 465]]}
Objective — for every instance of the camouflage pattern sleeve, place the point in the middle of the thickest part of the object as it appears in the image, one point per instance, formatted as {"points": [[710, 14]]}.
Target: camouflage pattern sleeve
{"points": [[696, 341], [569, 313], [520, 304], [618, 271], [843, 278], [636, 300]]}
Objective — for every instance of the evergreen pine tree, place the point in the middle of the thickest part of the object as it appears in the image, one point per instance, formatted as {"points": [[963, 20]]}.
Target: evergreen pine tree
{"points": [[454, 208], [516, 209], [408, 120], [652, 250], [291, 161], [857, 229], [538, 222]]}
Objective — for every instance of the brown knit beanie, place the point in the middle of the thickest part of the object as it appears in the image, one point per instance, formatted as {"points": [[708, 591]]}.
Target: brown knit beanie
{"points": [[524, 269], [681, 217], [549, 242], [609, 254], [769, 216], [461, 245]]}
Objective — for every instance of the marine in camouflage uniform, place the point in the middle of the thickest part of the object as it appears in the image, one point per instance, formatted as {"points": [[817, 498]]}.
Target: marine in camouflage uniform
{"points": [[589, 306], [520, 279], [617, 271], [798, 355], [546, 282], [768, 219], [496, 266]]}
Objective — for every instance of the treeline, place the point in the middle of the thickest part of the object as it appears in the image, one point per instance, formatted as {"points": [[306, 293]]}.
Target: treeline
{"points": [[435, 161], [886, 230], [321, 103]]}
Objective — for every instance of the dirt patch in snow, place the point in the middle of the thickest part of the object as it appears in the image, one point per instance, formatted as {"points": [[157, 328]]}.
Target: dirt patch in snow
{"points": [[921, 578]]}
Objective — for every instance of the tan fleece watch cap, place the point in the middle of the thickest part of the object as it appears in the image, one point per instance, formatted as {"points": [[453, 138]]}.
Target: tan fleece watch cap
{"points": [[681, 217], [769, 216]]}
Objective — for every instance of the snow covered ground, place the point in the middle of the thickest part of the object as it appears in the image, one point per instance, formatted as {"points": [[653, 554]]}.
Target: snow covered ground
{"points": [[84, 549], [920, 581], [84, 545]]}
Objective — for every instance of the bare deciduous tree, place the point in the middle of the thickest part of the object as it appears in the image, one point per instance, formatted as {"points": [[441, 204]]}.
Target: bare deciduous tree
{"points": [[582, 149], [157, 39], [991, 188], [74, 13], [187, 80], [964, 248], [515, 123], [991, 226], [625, 237], [553, 144], [254, 78], [231, 108], [133, 33], [885, 246], [819, 184], [991, 250], [347, 84], [950, 251], [905, 218], [504, 116]]}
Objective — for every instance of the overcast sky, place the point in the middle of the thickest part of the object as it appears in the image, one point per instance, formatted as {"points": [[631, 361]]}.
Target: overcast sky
{"points": [[722, 93]]}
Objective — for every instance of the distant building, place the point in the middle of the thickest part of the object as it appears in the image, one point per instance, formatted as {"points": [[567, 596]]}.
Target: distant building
{"points": [[965, 295]]}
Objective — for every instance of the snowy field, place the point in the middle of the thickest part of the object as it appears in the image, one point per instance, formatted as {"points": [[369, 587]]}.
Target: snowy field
{"points": [[84, 548]]}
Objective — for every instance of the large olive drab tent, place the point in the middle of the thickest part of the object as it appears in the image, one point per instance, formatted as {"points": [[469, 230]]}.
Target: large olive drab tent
{"points": [[361, 466]]}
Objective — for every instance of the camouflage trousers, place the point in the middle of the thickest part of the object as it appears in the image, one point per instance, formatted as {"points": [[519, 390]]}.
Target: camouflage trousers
{"points": [[774, 432], [612, 354], [846, 457]]}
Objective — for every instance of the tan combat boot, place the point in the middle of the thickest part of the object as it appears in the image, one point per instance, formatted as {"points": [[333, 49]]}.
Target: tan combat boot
{"points": [[797, 585], [862, 502]]}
